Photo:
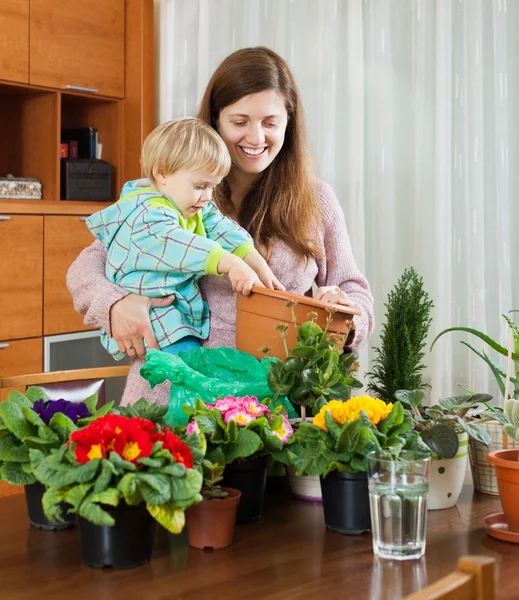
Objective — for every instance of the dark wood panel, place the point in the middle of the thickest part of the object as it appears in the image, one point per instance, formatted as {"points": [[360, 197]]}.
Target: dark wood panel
{"points": [[287, 555]]}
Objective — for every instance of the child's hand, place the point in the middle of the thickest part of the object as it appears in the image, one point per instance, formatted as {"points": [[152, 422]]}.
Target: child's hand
{"points": [[268, 279], [243, 278]]}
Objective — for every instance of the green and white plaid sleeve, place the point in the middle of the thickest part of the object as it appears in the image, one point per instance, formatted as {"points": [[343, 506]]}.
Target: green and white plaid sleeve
{"points": [[231, 236]]}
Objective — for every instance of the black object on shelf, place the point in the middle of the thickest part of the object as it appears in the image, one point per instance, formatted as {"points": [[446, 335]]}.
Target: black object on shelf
{"points": [[85, 179], [86, 138]]}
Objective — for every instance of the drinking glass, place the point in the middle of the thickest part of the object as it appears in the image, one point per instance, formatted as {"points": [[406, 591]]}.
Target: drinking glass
{"points": [[398, 504]]}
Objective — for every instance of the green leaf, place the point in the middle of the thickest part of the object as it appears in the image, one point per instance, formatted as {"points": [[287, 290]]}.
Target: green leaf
{"points": [[441, 439], [304, 351], [19, 399], [411, 397], [120, 463], [12, 450], [75, 495], [246, 444], [172, 519], [340, 391], [38, 443], [63, 426], [104, 478], [35, 393], [482, 336], [476, 432], [13, 417], [15, 475], [91, 403], [110, 496], [394, 418], [50, 502], [95, 514], [155, 488], [129, 489]]}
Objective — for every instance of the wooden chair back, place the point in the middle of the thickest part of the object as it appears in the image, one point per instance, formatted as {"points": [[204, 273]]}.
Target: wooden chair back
{"points": [[473, 580], [74, 385]]}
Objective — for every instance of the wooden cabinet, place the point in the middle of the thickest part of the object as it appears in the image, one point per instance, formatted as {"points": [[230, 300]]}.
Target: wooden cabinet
{"points": [[21, 284], [77, 43], [20, 357], [14, 40], [65, 237]]}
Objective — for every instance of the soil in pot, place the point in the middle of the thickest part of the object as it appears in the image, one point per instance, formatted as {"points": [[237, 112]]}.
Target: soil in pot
{"points": [[126, 545], [346, 502], [33, 497], [249, 476], [210, 524], [506, 463]]}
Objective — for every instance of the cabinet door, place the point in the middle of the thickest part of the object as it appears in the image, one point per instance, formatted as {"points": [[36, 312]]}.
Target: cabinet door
{"points": [[21, 357], [14, 40], [65, 237], [78, 43], [21, 284]]}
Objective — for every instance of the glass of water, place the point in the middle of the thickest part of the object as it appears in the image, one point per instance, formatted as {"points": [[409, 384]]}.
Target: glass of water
{"points": [[398, 503]]}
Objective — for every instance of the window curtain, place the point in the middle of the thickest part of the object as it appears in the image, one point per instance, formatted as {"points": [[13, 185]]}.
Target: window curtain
{"points": [[411, 109]]}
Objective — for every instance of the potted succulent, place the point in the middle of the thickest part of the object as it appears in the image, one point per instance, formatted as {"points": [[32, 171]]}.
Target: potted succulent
{"points": [[241, 434], [120, 475], [211, 523], [446, 428], [313, 372], [506, 463], [32, 421], [483, 475], [335, 445]]}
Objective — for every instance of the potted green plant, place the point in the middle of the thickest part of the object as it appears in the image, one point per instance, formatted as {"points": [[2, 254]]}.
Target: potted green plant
{"points": [[483, 475], [241, 434], [120, 475], [506, 463], [446, 428], [335, 445], [313, 372], [398, 362], [211, 523], [32, 421]]}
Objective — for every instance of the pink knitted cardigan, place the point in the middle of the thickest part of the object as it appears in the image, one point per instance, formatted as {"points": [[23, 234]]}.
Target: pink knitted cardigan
{"points": [[93, 294]]}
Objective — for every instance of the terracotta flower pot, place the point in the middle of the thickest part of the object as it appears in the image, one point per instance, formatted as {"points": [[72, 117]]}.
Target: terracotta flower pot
{"points": [[210, 524], [259, 313], [506, 463]]}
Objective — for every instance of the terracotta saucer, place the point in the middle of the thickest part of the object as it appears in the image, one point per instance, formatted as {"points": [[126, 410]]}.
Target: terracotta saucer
{"points": [[497, 527]]}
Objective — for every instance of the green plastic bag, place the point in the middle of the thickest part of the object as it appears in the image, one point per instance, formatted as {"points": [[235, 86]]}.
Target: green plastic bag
{"points": [[208, 374]]}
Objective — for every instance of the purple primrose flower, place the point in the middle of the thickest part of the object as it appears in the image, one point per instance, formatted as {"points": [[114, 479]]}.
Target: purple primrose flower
{"points": [[48, 408]]}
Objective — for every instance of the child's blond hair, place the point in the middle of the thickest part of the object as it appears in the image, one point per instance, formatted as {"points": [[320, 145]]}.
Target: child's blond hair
{"points": [[186, 143]]}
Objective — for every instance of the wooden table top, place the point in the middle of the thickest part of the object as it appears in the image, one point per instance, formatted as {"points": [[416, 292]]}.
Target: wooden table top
{"points": [[288, 554]]}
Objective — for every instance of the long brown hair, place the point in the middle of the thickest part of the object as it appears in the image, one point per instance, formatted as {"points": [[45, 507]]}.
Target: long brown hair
{"points": [[283, 203]]}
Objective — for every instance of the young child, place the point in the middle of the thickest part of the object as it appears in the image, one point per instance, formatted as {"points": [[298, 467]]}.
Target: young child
{"points": [[164, 234]]}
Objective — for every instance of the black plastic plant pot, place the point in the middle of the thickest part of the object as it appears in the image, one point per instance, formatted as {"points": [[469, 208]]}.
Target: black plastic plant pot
{"points": [[346, 502], [249, 476], [126, 545], [33, 496]]}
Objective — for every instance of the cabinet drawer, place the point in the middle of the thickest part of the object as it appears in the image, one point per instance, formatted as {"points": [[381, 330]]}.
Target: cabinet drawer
{"points": [[21, 357], [65, 237], [21, 286]]}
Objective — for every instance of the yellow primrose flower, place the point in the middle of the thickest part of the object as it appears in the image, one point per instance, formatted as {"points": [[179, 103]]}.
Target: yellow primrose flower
{"points": [[377, 410]]}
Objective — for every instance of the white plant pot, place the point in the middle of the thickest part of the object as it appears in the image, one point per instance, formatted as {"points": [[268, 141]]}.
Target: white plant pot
{"points": [[307, 487], [447, 477]]}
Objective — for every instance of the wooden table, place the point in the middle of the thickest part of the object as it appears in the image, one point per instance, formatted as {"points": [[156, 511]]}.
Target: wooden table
{"points": [[288, 554]]}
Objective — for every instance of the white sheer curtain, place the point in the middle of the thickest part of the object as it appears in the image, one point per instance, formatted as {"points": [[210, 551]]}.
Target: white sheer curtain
{"points": [[411, 107]]}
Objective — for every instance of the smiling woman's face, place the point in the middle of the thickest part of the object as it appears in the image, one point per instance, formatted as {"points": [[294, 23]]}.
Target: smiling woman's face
{"points": [[254, 130]]}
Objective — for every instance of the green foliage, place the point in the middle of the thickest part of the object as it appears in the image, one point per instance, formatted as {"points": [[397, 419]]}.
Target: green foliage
{"points": [[315, 451], [167, 487], [512, 414], [213, 474], [497, 371], [316, 370], [22, 429], [143, 409], [438, 425], [398, 359], [226, 443]]}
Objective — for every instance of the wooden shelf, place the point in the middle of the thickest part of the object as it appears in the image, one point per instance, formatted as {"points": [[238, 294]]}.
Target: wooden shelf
{"points": [[48, 207]]}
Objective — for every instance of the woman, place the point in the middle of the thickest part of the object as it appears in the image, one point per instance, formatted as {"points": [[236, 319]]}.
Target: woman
{"points": [[296, 221]]}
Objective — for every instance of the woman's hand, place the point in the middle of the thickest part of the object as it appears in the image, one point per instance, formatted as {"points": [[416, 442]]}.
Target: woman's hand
{"points": [[332, 294], [130, 323]]}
